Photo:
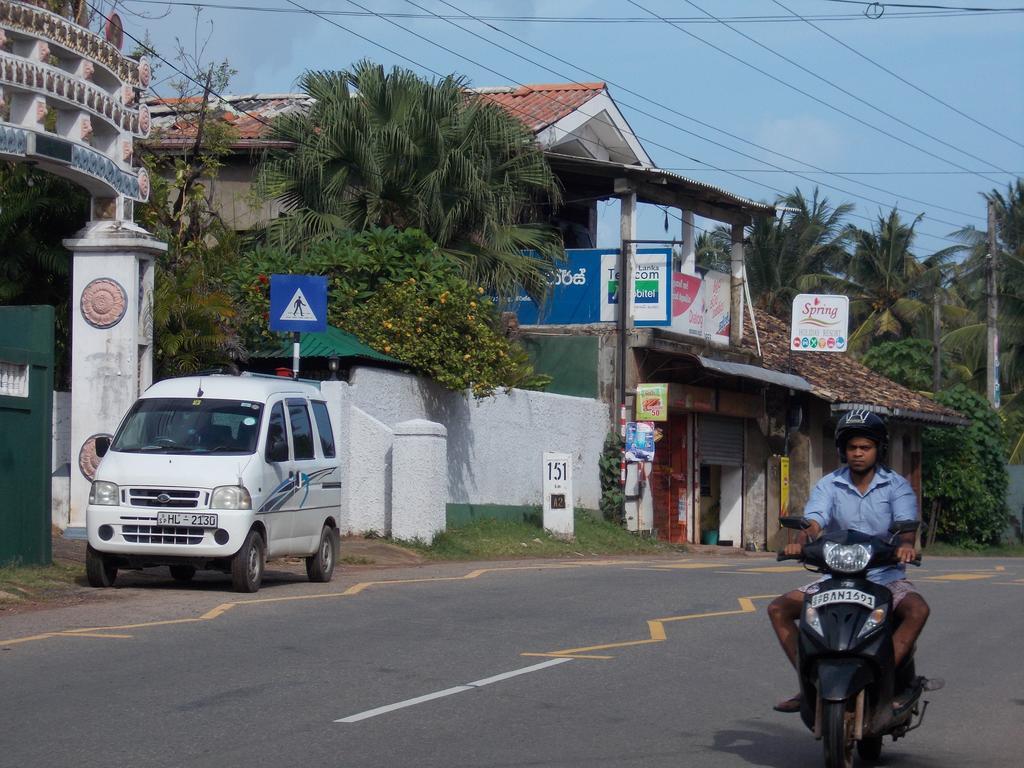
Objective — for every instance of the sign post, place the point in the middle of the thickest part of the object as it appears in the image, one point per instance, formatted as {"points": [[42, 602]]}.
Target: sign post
{"points": [[558, 494], [298, 303]]}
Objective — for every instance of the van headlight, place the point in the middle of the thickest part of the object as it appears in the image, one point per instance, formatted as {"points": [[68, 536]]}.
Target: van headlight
{"points": [[847, 558], [230, 497], [104, 494]]}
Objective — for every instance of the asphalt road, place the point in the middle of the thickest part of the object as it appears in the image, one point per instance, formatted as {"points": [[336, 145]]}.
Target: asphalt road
{"points": [[674, 664]]}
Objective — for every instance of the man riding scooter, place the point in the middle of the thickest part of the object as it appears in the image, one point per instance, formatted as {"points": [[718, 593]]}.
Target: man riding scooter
{"points": [[866, 496]]}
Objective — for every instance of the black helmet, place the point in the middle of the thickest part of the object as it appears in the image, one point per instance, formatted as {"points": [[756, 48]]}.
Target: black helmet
{"points": [[861, 422]]}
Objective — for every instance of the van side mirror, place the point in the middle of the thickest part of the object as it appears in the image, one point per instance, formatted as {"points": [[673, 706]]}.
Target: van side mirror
{"points": [[102, 445], [796, 522], [904, 526]]}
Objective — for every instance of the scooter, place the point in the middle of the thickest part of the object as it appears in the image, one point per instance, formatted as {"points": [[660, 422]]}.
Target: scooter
{"points": [[852, 693]]}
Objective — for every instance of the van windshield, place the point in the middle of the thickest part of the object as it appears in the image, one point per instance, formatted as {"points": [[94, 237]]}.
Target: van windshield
{"points": [[189, 425]]}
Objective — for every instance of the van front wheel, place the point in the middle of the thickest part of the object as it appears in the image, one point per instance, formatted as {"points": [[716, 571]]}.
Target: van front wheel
{"points": [[247, 564], [320, 566], [99, 569]]}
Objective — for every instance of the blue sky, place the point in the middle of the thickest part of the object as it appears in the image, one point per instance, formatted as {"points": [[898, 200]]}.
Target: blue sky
{"points": [[972, 62]]}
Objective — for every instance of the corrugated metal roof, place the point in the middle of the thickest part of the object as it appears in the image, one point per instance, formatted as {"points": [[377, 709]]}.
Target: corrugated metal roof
{"points": [[333, 342]]}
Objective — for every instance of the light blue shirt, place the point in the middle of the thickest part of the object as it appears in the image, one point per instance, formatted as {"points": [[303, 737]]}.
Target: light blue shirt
{"points": [[836, 505]]}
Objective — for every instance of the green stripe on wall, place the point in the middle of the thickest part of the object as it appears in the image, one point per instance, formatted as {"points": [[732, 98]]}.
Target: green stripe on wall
{"points": [[457, 515]]}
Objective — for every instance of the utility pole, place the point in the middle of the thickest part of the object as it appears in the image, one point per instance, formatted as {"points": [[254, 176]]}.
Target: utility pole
{"points": [[992, 334], [936, 341]]}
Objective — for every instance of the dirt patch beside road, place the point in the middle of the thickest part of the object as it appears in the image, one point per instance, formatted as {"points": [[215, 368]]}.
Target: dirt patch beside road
{"points": [[30, 588]]}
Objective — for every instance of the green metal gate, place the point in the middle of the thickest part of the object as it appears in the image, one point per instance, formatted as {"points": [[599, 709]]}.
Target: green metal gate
{"points": [[26, 432]]}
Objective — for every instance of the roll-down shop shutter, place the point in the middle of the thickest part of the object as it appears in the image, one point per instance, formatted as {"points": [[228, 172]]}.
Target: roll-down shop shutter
{"points": [[721, 440]]}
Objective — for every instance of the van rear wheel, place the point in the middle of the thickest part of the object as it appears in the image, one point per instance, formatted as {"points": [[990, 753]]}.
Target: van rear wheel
{"points": [[247, 564], [320, 566], [99, 569]]}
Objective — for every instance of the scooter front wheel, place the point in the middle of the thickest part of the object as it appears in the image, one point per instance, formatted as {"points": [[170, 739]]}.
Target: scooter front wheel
{"points": [[837, 734]]}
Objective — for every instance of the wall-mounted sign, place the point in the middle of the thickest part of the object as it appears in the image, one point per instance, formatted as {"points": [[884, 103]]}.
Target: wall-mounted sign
{"points": [[639, 441], [652, 300], [652, 402], [700, 306], [585, 289], [820, 323]]}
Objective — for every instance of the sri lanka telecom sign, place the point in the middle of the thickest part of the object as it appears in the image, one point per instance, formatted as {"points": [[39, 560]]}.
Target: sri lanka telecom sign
{"points": [[821, 323]]}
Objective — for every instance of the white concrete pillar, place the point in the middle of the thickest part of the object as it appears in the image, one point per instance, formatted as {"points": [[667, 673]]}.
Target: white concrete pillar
{"points": [[111, 338], [689, 261], [419, 480], [736, 287]]}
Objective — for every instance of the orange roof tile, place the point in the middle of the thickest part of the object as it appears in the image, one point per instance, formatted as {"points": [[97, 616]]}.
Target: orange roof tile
{"points": [[539, 106]]}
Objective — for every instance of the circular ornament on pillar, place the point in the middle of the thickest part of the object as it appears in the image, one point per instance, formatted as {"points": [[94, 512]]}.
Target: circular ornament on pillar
{"points": [[87, 458], [104, 302]]}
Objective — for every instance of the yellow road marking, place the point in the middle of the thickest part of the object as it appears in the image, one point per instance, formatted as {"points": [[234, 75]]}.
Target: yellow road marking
{"points": [[687, 566], [656, 630], [220, 610], [959, 577]]}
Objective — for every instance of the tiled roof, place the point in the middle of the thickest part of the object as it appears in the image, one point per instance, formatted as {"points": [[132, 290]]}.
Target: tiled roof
{"points": [[250, 115], [840, 379], [539, 106]]}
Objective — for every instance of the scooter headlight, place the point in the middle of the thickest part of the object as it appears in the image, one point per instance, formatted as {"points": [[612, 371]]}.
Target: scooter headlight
{"points": [[875, 620], [847, 558]]}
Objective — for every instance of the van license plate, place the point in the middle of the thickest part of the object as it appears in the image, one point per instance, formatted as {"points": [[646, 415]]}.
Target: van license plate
{"points": [[190, 519], [843, 596]]}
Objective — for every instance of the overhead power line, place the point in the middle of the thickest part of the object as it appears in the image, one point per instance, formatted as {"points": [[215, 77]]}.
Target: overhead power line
{"points": [[482, 66], [923, 6], [903, 80], [809, 95], [839, 88], [677, 127], [580, 19]]}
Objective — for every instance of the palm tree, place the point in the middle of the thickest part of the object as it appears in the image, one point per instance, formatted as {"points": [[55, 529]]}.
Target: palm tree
{"points": [[970, 340], [390, 149], [890, 288], [783, 255]]}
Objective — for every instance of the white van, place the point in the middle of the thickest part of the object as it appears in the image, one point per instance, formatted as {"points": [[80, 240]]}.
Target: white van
{"points": [[217, 472]]}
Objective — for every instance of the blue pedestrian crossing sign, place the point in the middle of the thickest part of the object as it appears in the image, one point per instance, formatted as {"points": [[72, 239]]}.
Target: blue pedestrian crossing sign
{"points": [[298, 303]]}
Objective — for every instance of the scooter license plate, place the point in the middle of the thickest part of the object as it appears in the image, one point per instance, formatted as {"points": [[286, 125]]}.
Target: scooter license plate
{"points": [[843, 596], [191, 519]]}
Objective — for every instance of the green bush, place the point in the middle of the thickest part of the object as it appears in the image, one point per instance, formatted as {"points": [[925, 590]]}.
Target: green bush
{"points": [[612, 496], [909, 362], [964, 477]]}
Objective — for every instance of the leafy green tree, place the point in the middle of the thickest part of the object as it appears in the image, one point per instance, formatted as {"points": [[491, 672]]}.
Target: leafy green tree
{"points": [[784, 255], [909, 362], [391, 149], [37, 211], [396, 291], [889, 287], [964, 474]]}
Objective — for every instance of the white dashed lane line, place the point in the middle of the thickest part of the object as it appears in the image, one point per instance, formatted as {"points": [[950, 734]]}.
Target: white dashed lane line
{"points": [[449, 691]]}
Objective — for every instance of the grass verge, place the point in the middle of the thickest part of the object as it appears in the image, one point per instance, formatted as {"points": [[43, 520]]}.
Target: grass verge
{"points": [[498, 539], [942, 549], [23, 583]]}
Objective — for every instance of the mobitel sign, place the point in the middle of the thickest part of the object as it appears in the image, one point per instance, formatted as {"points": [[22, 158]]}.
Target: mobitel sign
{"points": [[820, 323]]}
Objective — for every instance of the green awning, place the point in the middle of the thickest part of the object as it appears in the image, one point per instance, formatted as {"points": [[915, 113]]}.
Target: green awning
{"points": [[333, 342]]}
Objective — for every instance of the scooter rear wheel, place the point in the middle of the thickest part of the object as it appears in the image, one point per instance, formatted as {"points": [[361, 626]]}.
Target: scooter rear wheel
{"points": [[837, 734]]}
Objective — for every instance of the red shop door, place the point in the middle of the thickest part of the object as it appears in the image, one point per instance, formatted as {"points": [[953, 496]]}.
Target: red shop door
{"points": [[669, 480]]}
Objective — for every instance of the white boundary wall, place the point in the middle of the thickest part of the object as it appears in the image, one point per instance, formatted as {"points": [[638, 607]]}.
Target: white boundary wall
{"points": [[495, 445]]}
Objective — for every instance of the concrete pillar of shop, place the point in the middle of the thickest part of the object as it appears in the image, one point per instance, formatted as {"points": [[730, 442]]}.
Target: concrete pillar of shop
{"points": [[736, 287], [688, 265], [111, 339]]}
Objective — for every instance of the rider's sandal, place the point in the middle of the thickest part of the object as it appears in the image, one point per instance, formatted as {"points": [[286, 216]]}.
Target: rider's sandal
{"points": [[792, 704]]}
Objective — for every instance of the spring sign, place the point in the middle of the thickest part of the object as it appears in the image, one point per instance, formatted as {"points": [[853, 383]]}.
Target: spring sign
{"points": [[821, 323]]}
